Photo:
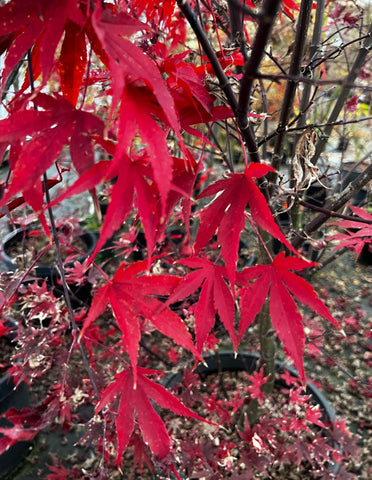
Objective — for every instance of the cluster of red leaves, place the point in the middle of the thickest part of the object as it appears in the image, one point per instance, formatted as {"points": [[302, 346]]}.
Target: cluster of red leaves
{"points": [[154, 95], [357, 233], [281, 437]]}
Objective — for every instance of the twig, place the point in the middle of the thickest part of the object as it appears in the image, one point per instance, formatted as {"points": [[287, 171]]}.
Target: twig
{"points": [[312, 125], [317, 35], [59, 258], [341, 367], [334, 214], [225, 85], [236, 25], [294, 70], [209, 51], [332, 257], [154, 354], [343, 96], [312, 81], [338, 50], [333, 206], [270, 10]]}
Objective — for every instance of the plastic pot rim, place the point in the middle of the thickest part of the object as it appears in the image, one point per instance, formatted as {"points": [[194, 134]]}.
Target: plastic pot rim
{"points": [[47, 270]]}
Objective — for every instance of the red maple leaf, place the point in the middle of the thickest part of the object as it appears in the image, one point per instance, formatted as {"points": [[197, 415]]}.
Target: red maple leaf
{"points": [[132, 295], [59, 123], [135, 398], [36, 22], [136, 184], [281, 283], [215, 297], [226, 213], [354, 240], [3, 327], [72, 61], [257, 380], [139, 112], [187, 88], [137, 79]]}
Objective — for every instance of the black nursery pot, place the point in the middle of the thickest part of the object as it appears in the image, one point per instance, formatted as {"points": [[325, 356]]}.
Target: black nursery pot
{"points": [[12, 398], [349, 176], [365, 256], [80, 293], [9, 398], [247, 361], [316, 195], [42, 271]]}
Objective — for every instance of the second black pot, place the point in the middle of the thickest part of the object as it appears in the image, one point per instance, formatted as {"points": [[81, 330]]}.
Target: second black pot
{"points": [[42, 271], [11, 397]]}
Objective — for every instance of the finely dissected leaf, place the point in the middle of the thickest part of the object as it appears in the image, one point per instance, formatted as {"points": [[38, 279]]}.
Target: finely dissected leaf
{"points": [[226, 213], [135, 398], [283, 286], [215, 297], [132, 295]]}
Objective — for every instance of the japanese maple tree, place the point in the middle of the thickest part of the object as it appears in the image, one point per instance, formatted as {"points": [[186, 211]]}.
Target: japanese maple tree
{"points": [[186, 111]]}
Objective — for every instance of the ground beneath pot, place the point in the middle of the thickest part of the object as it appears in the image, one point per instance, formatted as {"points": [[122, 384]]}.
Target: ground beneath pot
{"points": [[344, 365], [341, 367]]}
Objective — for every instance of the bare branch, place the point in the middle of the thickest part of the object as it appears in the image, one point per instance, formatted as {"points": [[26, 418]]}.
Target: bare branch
{"points": [[343, 96], [270, 10], [333, 205], [295, 70]]}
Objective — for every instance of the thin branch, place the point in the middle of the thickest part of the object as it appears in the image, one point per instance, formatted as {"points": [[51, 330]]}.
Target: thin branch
{"points": [[344, 370], [310, 206], [59, 257], [312, 125], [248, 11], [265, 107], [317, 35], [66, 290], [294, 70], [269, 13], [227, 160], [343, 96], [209, 51], [312, 81], [333, 205], [225, 85], [276, 63], [332, 257], [337, 51], [237, 32]]}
